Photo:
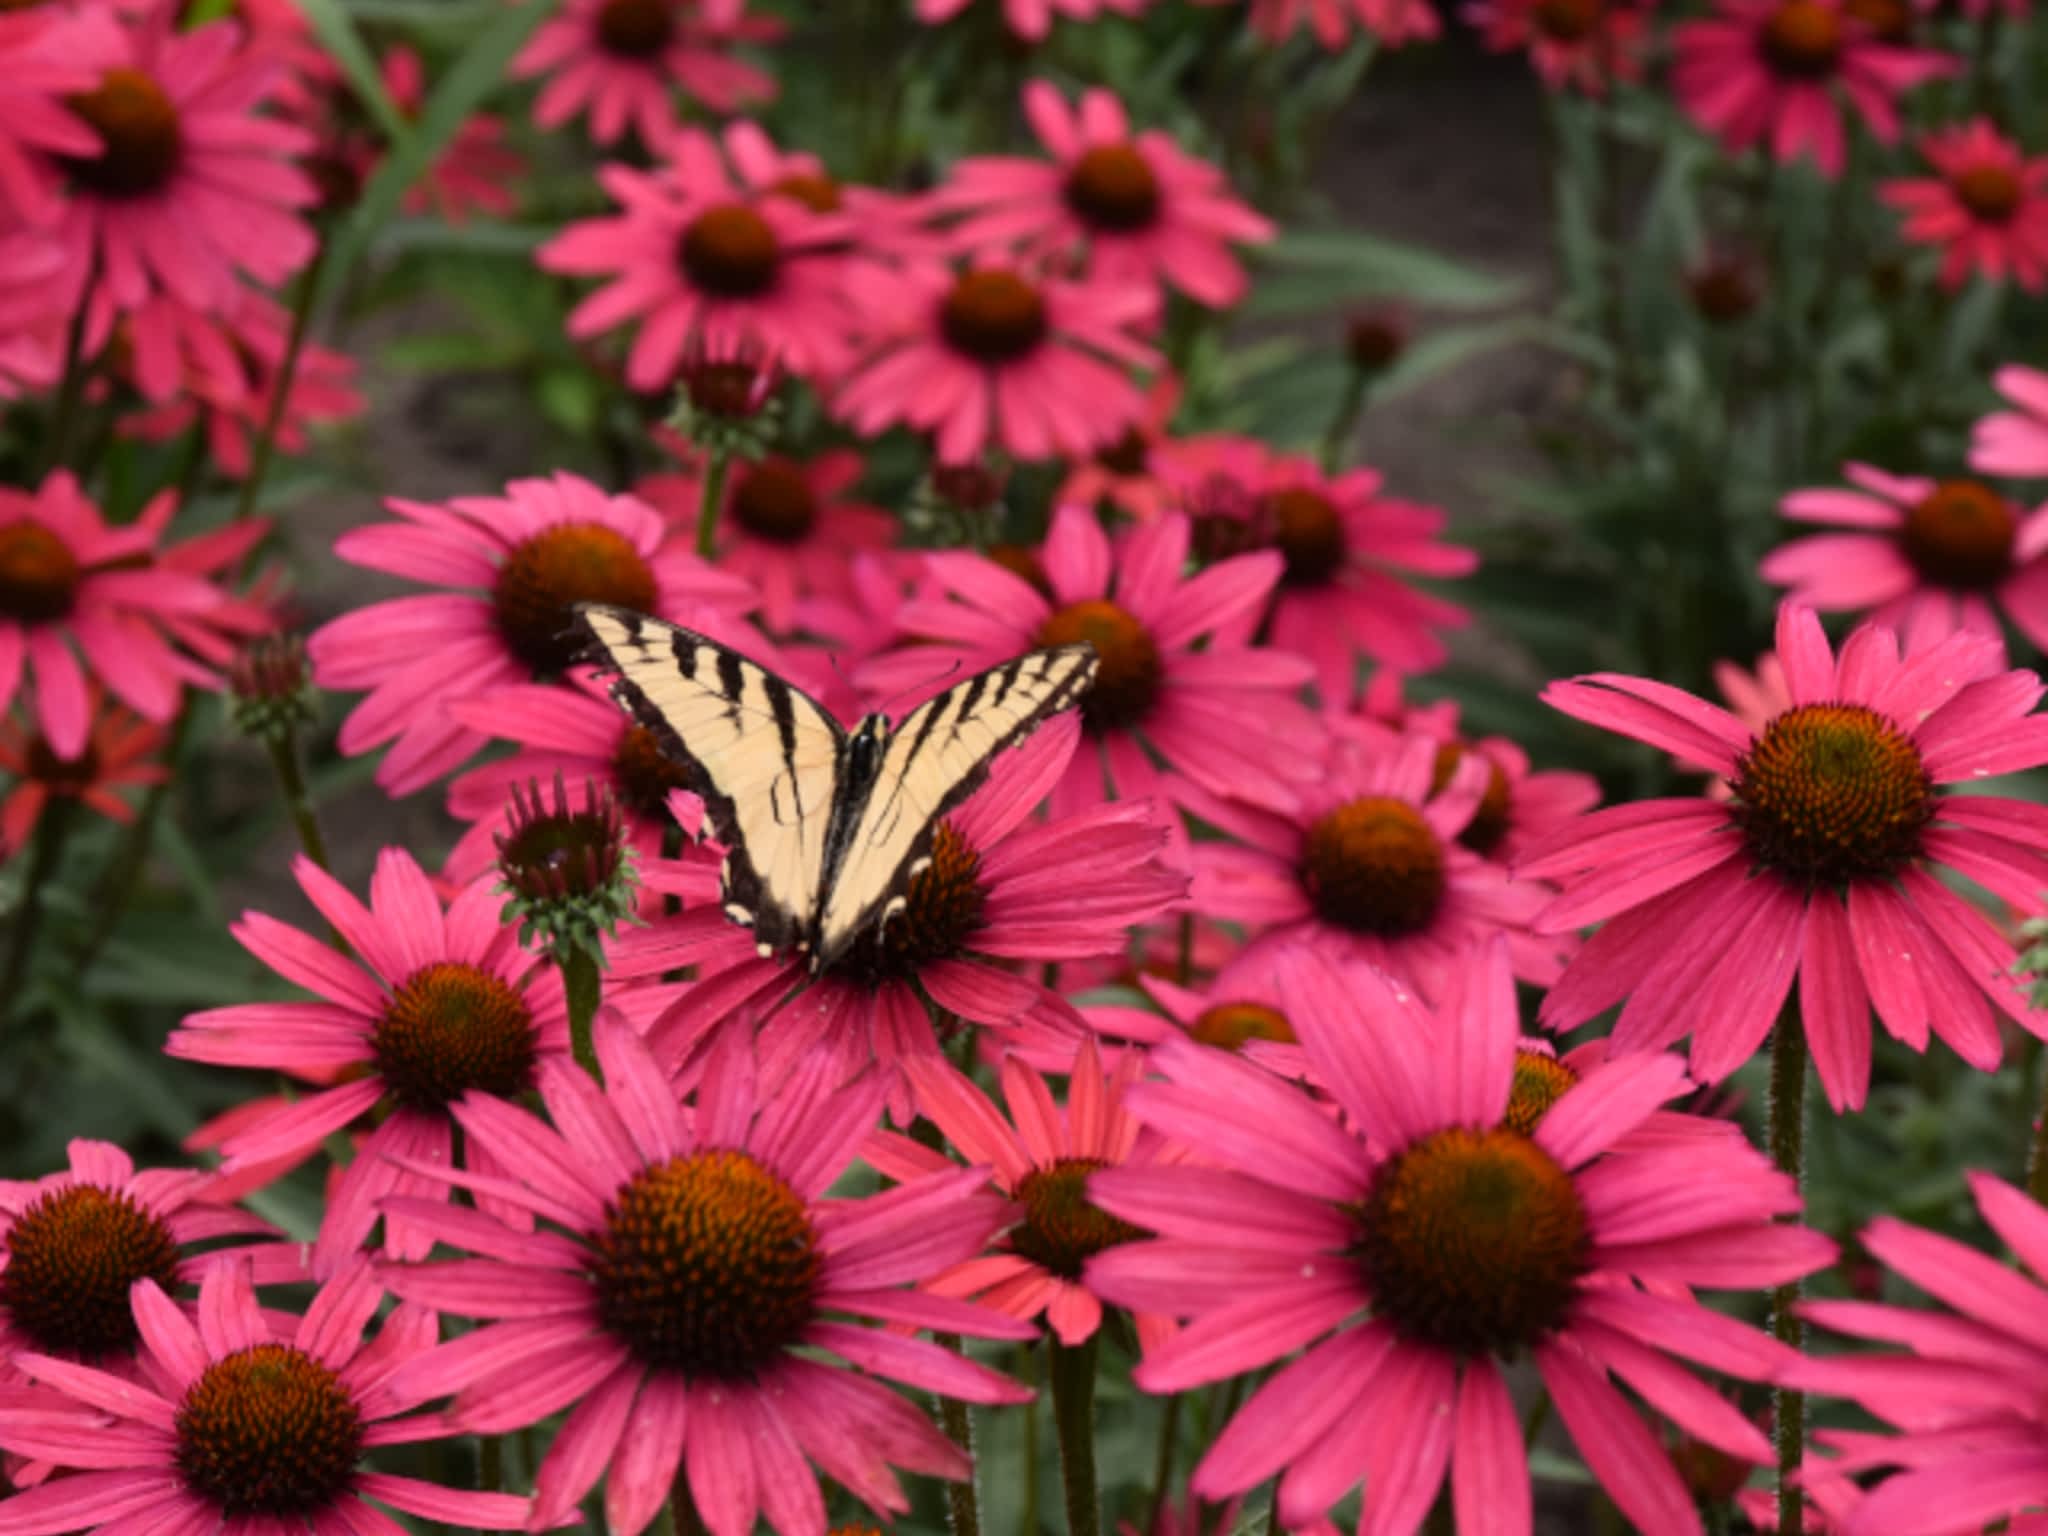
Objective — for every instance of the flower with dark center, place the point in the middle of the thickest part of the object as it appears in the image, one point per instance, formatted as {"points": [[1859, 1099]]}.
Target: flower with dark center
{"points": [[1128, 455], [1567, 21], [993, 316], [1473, 1241], [1130, 671], [814, 189], [1889, 21], [1489, 823], [1724, 288], [1803, 39], [942, 909], [708, 1265], [1960, 535], [568, 872], [1374, 340], [973, 487], [1374, 865], [1229, 1026], [1539, 1082], [1307, 530], [644, 775], [1991, 192], [635, 29], [270, 687], [730, 251], [1112, 186], [1021, 561], [544, 575], [138, 127], [451, 1029], [38, 573], [1833, 792], [268, 1431], [1061, 1230], [72, 1258], [62, 774], [773, 500]]}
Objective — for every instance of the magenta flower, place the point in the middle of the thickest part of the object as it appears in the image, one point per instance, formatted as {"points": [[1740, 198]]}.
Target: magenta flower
{"points": [[1003, 890], [444, 1002], [1129, 475], [1240, 1004], [883, 227], [524, 557], [44, 58], [1224, 714], [80, 598], [1972, 1443], [1033, 18], [998, 353], [697, 1255], [2014, 442], [193, 189], [1043, 1156], [1578, 45], [75, 1243], [1128, 208], [1986, 207], [236, 1428], [622, 61], [1938, 553], [1819, 866], [1371, 866], [1766, 72], [697, 257], [1440, 1224], [1391, 22], [477, 173]]}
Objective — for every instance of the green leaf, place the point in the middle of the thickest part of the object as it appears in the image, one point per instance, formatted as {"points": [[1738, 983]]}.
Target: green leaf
{"points": [[1314, 270], [336, 30]]}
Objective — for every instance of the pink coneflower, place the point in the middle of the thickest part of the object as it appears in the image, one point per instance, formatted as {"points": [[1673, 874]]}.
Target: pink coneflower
{"points": [[1391, 22], [695, 255], [1371, 866], [1126, 208], [121, 752], [477, 173], [1821, 864], [1581, 45], [1987, 208], [1918, 552], [1002, 889], [1227, 717], [697, 1256], [444, 1002], [788, 527], [1466, 1233], [884, 226], [2014, 442], [1766, 72], [236, 1429], [193, 188], [32, 327], [1240, 1004], [44, 58], [1033, 18], [74, 1244], [1126, 475], [623, 60], [69, 579], [1042, 1155], [1972, 1445], [524, 558], [1000, 353]]}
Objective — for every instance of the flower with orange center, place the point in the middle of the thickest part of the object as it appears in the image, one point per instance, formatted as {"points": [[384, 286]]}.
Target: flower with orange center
{"points": [[1133, 475], [1918, 554], [230, 1424], [438, 1004], [1237, 1008], [520, 562], [121, 752], [1416, 1244], [1776, 73], [1985, 208], [1819, 866]]}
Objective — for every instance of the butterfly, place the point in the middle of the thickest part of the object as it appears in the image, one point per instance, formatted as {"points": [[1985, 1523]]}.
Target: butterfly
{"points": [[824, 829]]}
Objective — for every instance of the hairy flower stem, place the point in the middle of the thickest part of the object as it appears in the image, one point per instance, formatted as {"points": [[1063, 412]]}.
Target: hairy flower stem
{"points": [[2037, 1156], [1344, 421], [1073, 1411], [71, 388], [55, 827], [265, 447], [1788, 1151], [963, 1499], [284, 757], [1162, 1463], [713, 498], [580, 981]]}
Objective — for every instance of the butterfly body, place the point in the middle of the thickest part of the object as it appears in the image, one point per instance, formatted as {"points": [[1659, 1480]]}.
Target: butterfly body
{"points": [[824, 828]]}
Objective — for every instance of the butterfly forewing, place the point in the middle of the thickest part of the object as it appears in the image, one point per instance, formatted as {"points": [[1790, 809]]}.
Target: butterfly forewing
{"points": [[935, 759], [762, 755]]}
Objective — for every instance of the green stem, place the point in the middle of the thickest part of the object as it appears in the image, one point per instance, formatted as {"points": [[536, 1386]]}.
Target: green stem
{"points": [[1073, 1411], [713, 499], [1027, 1372], [1788, 1151], [51, 833], [1344, 421], [284, 757], [491, 1464], [683, 1519], [963, 1499], [116, 887], [265, 447], [1162, 1462], [71, 390], [2037, 1158], [581, 982]]}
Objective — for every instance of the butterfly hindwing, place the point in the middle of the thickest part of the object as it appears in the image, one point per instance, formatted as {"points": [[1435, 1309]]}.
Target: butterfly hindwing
{"points": [[932, 761], [762, 755]]}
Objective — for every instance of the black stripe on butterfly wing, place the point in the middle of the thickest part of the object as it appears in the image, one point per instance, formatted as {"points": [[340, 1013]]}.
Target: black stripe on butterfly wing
{"points": [[761, 754], [939, 756]]}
